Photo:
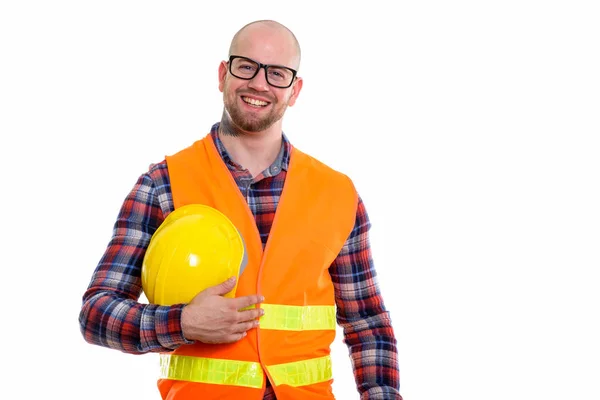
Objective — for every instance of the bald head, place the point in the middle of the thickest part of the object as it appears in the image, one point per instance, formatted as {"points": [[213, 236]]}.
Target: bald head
{"points": [[266, 34]]}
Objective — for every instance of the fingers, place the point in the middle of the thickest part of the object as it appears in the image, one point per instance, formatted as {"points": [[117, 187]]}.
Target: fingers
{"points": [[231, 338], [247, 301], [243, 327], [250, 315], [222, 288], [238, 333]]}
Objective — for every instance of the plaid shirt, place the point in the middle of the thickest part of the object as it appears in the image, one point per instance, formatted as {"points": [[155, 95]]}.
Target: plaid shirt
{"points": [[112, 317]]}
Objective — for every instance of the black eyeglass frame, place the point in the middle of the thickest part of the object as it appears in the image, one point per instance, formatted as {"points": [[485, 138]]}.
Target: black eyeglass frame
{"points": [[265, 66]]}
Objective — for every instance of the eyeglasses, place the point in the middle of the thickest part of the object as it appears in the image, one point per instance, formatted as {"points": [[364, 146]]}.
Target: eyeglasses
{"points": [[276, 75]]}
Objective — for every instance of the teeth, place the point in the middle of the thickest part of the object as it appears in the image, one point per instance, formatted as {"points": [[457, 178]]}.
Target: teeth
{"points": [[254, 102]]}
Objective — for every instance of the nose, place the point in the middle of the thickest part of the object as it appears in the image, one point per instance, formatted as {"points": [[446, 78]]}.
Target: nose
{"points": [[259, 82]]}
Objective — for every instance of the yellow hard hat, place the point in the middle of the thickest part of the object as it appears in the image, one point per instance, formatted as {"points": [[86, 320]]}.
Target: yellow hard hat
{"points": [[194, 248]]}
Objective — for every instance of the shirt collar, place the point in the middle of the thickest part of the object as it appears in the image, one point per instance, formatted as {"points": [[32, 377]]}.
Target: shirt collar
{"points": [[281, 162]]}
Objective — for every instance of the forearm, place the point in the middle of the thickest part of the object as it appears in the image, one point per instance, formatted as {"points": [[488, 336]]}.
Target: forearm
{"points": [[111, 315], [374, 357], [368, 331], [126, 325]]}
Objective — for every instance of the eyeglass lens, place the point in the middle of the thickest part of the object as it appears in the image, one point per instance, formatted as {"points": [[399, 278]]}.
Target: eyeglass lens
{"points": [[244, 68]]}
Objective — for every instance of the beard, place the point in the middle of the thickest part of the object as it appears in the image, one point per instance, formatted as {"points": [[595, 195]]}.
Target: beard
{"points": [[252, 122]]}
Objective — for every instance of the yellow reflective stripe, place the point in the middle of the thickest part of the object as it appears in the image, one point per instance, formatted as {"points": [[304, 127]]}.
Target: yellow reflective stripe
{"points": [[244, 373], [297, 318], [211, 370], [301, 373]]}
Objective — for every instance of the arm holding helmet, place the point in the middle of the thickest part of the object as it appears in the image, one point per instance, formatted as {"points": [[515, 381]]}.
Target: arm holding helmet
{"points": [[211, 318], [361, 312], [111, 315]]}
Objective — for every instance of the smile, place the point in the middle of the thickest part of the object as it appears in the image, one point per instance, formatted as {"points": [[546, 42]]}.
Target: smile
{"points": [[254, 102]]}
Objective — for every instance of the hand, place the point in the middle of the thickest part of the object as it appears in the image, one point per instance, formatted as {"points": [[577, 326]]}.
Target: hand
{"points": [[212, 318]]}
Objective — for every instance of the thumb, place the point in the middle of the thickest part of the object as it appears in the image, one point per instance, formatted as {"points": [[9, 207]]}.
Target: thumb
{"points": [[222, 288]]}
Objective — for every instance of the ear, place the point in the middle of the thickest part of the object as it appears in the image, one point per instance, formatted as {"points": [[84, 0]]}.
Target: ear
{"points": [[296, 88], [222, 74]]}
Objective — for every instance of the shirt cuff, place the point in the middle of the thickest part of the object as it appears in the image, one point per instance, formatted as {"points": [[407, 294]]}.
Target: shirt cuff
{"points": [[381, 393], [161, 328]]}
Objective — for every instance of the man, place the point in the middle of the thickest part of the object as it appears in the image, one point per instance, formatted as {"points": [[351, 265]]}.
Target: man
{"points": [[312, 258]]}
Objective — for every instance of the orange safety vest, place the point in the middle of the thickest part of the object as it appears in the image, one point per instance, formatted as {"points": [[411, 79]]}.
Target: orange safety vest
{"points": [[315, 215]]}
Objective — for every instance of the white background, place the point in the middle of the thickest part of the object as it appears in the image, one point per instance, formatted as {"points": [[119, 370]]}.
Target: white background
{"points": [[469, 127]]}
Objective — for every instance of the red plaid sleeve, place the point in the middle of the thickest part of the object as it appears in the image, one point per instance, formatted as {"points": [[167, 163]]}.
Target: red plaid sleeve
{"points": [[368, 331], [111, 315]]}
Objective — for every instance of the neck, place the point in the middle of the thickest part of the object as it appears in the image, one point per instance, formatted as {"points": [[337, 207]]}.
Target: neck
{"points": [[255, 151]]}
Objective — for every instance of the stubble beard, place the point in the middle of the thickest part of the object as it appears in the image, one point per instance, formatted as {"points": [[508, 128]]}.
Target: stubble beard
{"points": [[240, 120]]}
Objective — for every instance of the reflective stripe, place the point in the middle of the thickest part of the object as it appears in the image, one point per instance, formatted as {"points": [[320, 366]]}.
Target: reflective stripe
{"points": [[243, 373], [301, 373], [211, 370], [297, 318]]}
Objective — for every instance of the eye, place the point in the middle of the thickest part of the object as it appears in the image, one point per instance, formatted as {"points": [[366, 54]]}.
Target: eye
{"points": [[246, 67], [278, 74]]}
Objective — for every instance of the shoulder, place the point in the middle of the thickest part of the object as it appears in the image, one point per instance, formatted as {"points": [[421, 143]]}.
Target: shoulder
{"points": [[158, 171], [155, 179]]}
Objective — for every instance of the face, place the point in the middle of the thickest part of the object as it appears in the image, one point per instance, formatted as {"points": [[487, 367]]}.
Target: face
{"points": [[254, 105]]}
